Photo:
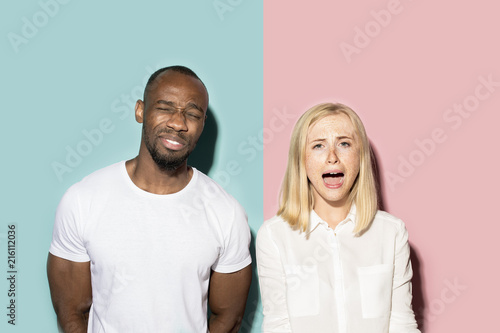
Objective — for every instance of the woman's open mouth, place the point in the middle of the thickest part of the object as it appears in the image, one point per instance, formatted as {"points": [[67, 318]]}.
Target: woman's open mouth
{"points": [[333, 179]]}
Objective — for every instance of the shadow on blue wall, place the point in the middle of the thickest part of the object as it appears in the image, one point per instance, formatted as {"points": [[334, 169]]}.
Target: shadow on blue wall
{"points": [[202, 159]]}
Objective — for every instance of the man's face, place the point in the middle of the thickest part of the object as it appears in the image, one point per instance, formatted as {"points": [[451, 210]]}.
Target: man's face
{"points": [[173, 115]]}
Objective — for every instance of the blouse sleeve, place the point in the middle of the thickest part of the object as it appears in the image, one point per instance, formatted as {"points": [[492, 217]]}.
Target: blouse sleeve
{"points": [[272, 283], [402, 316]]}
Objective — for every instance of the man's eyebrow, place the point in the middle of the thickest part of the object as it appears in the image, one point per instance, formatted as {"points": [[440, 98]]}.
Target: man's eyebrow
{"points": [[190, 105], [194, 106], [169, 103]]}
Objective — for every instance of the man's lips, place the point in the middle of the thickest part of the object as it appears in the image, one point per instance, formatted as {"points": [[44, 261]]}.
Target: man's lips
{"points": [[173, 142], [333, 179]]}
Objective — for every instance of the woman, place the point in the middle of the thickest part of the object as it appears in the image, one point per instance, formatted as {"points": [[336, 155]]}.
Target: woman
{"points": [[329, 261]]}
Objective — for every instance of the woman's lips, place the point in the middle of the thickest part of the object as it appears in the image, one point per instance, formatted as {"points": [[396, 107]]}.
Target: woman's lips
{"points": [[334, 179]]}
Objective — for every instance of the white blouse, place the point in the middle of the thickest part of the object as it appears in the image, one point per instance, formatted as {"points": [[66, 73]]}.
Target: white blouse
{"points": [[332, 281]]}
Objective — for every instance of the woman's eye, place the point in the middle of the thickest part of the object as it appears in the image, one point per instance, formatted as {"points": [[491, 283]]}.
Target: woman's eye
{"points": [[319, 145], [345, 144]]}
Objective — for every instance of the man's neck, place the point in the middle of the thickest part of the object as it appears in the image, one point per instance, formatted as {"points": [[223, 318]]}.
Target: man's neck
{"points": [[148, 176]]}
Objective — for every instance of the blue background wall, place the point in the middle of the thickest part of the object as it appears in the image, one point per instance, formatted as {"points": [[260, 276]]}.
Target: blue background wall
{"points": [[71, 68]]}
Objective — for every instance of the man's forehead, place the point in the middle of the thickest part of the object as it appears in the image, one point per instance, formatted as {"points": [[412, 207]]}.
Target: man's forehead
{"points": [[172, 78], [176, 82]]}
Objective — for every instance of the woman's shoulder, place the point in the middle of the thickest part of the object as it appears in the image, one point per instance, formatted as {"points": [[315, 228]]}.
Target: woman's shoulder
{"points": [[384, 219], [389, 227], [273, 228], [274, 223]]}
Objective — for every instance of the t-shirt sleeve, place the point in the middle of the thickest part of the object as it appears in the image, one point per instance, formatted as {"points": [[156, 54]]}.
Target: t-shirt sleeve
{"points": [[236, 254], [67, 238]]}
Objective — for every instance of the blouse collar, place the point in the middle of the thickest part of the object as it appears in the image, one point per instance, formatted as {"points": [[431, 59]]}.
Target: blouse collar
{"points": [[315, 220]]}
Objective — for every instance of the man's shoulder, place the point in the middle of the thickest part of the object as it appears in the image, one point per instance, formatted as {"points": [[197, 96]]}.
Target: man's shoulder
{"points": [[110, 170], [99, 179], [212, 191], [222, 205]]}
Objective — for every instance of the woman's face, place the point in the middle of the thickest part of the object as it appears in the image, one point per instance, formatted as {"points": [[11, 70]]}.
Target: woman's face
{"points": [[332, 159]]}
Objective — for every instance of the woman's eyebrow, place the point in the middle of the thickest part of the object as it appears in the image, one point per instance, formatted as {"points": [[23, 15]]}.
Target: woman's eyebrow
{"points": [[316, 140], [344, 137]]}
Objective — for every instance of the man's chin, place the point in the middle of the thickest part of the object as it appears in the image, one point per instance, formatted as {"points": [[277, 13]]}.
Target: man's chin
{"points": [[168, 160], [170, 164]]}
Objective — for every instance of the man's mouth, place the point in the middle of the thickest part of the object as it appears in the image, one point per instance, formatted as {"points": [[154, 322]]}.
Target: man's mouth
{"points": [[333, 179], [173, 143]]}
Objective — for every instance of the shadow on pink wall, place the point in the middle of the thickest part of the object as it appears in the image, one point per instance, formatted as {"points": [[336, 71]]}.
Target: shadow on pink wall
{"points": [[417, 282]]}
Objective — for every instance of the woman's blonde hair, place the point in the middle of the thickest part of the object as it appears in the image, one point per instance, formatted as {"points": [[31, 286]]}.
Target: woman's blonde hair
{"points": [[296, 199]]}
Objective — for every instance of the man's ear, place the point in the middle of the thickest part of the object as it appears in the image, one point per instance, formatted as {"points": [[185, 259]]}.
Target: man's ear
{"points": [[139, 111]]}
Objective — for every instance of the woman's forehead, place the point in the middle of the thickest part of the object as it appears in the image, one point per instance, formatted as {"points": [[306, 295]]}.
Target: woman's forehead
{"points": [[338, 124]]}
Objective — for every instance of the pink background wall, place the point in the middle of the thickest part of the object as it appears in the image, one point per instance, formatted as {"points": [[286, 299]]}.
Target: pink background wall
{"points": [[408, 73]]}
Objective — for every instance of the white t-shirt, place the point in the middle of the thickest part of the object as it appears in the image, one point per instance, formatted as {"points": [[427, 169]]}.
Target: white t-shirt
{"points": [[151, 255], [329, 280]]}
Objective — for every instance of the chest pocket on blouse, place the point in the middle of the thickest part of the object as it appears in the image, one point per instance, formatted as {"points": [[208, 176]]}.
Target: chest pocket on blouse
{"points": [[375, 283], [302, 287]]}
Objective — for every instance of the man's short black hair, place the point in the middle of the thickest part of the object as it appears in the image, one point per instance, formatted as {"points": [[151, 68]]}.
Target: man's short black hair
{"points": [[177, 68]]}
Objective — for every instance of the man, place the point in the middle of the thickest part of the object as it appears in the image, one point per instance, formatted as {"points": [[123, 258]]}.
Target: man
{"points": [[141, 245]]}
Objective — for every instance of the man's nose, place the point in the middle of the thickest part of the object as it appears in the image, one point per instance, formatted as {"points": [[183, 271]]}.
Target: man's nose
{"points": [[177, 121]]}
